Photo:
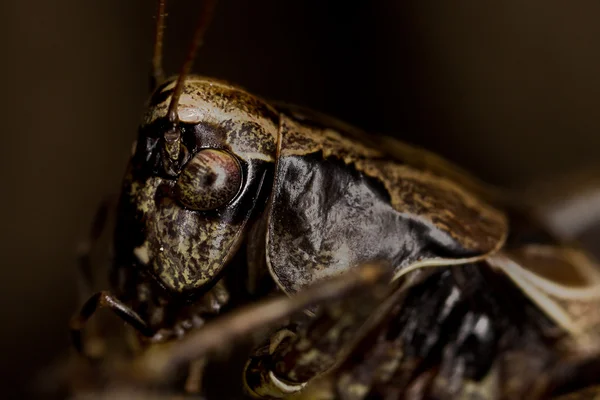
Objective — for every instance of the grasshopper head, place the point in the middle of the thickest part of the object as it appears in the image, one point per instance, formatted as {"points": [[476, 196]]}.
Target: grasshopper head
{"points": [[190, 189]]}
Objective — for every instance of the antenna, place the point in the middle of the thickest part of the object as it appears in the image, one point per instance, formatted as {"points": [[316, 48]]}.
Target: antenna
{"points": [[158, 74], [175, 153], [203, 23]]}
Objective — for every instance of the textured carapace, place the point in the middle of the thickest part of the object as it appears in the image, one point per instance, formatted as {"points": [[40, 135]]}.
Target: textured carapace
{"points": [[185, 223], [338, 203]]}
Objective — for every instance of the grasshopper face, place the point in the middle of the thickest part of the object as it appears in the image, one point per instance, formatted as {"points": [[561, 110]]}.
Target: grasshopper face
{"points": [[184, 220]]}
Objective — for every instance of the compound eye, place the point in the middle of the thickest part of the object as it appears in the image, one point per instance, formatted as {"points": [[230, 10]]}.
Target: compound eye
{"points": [[209, 180]]}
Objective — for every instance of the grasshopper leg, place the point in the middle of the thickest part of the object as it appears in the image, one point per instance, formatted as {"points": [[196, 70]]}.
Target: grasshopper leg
{"points": [[86, 247], [294, 360], [85, 270], [105, 300], [193, 383]]}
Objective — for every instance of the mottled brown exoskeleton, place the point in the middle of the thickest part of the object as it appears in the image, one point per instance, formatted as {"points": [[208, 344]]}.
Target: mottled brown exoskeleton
{"points": [[377, 270]]}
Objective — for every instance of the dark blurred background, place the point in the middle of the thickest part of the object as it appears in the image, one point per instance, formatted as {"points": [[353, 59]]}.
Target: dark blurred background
{"points": [[508, 89]]}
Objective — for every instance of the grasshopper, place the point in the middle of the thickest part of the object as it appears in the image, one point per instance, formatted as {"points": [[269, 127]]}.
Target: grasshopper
{"points": [[357, 266]]}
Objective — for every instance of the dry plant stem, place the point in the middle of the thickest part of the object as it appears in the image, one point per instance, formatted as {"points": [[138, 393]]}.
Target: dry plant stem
{"points": [[161, 359]]}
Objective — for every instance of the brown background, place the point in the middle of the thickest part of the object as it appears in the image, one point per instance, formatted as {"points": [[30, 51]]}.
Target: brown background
{"points": [[508, 89]]}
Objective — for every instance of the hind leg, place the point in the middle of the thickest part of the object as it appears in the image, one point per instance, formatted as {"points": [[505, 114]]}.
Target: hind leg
{"points": [[86, 247], [95, 343], [293, 360]]}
